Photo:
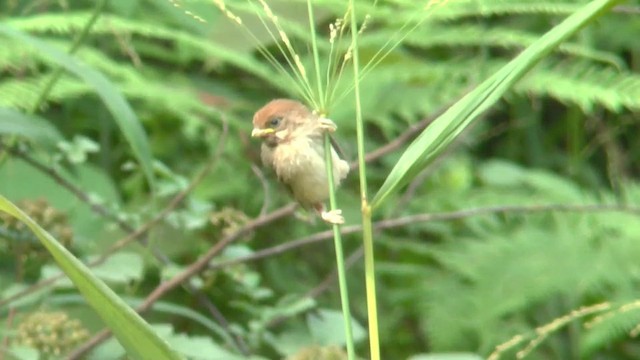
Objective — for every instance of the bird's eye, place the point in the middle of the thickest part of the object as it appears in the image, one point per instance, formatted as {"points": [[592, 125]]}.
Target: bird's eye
{"points": [[274, 122]]}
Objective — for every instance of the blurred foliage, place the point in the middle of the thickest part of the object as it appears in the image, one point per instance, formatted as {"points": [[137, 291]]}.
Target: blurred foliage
{"points": [[53, 334], [565, 135]]}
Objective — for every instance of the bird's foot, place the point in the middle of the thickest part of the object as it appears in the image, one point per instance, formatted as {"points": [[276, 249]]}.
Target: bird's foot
{"points": [[333, 217], [328, 125]]}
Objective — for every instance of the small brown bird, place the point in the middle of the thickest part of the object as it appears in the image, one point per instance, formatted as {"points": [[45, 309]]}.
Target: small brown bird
{"points": [[293, 147]]}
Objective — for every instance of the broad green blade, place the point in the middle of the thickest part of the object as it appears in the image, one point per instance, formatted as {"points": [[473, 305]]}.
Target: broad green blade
{"points": [[135, 335], [110, 95], [13, 122], [449, 125]]}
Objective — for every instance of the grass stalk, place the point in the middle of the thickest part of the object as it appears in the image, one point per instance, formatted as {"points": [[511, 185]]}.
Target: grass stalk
{"points": [[328, 153], [337, 238], [316, 58], [367, 231], [286, 49]]}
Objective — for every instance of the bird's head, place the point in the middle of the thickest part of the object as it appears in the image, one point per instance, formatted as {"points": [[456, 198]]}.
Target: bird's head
{"points": [[279, 120]]}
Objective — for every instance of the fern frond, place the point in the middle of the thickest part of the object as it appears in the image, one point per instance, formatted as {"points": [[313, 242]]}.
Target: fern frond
{"points": [[15, 57], [609, 327], [22, 93], [582, 83], [586, 85], [204, 49], [454, 10], [495, 36]]}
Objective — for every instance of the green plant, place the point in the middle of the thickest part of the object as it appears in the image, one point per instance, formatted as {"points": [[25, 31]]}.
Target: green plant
{"points": [[469, 263]]}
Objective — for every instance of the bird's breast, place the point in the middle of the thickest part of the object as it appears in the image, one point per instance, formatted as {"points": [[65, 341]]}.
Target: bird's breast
{"points": [[299, 163]]}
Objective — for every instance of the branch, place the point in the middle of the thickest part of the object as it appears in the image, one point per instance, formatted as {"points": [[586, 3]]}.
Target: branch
{"points": [[422, 218], [186, 274], [408, 135], [135, 234]]}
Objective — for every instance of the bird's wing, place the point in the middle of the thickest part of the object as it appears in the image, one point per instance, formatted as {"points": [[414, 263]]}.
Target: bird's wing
{"points": [[337, 147]]}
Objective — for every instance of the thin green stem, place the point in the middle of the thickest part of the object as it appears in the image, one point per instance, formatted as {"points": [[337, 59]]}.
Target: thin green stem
{"points": [[342, 278], [303, 86], [367, 231], [77, 42], [334, 73], [389, 46], [316, 58], [370, 282]]}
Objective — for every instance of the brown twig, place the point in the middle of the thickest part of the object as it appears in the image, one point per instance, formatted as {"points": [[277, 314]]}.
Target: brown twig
{"points": [[622, 9], [387, 224], [421, 218], [4, 344], [134, 234], [265, 188], [187, 273], [325, 284], [408, 135], [70, 186], [159, 291], [331, 278]]}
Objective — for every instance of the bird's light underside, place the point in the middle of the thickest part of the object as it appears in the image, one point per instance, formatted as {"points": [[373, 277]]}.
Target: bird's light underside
{"points": [[293, 147]]}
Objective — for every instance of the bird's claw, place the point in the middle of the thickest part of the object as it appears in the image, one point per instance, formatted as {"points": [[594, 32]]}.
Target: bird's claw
{"points": [[328, 125], [333, 217]]}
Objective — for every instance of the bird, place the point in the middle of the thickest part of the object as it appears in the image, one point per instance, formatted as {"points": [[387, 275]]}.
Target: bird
{"points": [[293, 146]]}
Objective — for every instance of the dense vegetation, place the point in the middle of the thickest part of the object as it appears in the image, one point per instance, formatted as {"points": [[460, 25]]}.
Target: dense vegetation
{"points": [[134, 117]]}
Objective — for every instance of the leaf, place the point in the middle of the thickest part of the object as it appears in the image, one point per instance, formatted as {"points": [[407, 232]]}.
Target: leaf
{"points": [[110, 95], [23, 353], [119, 268], [444, 130], [34, 128], [135, 335], [197, 347], [77, 151], [327, 328]]}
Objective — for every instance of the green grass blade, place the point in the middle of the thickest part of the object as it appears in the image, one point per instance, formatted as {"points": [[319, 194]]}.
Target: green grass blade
{"points": [[13, 122], [108, 93], [449, 125], [135, 335]]}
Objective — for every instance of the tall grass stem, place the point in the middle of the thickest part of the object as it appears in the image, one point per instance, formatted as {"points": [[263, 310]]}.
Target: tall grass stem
{"points": [[367, 232], [316, 58], [337, 238]]}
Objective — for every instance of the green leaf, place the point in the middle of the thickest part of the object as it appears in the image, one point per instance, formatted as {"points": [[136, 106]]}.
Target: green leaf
{"points": [[327, 328], [444, 130], [119, 268], [194, 347], [13, 122], [23, 353], [77, 151], [110, 95], [135, 335]]}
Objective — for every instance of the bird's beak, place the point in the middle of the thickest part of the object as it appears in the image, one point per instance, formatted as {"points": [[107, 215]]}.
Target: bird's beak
{"points": [[261, 132]]}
